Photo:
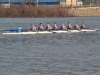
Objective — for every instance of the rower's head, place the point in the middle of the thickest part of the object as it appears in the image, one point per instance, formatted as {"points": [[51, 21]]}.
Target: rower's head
{"points": [[40, 24], [63, 24], [55, 24], [32, 25], [82, 23], [68, 23], [47, 23], [76, 23]]}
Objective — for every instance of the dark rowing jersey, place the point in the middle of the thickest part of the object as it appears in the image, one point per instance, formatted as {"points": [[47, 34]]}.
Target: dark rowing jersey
{"points": [[40, 29], [61, 28], [31, 29], [75, 28], [55, 28], [82, 27], [47, 28], [68, 27]]}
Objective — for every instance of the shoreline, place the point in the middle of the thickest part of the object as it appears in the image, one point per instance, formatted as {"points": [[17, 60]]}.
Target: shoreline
{"points": [[24, 11], [85, 12], [54, 17]]}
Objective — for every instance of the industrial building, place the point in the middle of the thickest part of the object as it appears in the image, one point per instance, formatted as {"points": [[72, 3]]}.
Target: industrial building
{"points": [[87, 2], [45, 2], [63, 3], [91, 2]]}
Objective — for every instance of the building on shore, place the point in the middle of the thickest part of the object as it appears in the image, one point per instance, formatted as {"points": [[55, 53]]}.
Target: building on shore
{"points": [[87, 2], [43, 2], [91, 2], [71, 3], [62, 3], [12, 1], [39, 2]]}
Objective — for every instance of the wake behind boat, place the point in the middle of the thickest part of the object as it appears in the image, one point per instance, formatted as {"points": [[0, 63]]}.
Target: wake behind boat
{"points": [[50, 32]]}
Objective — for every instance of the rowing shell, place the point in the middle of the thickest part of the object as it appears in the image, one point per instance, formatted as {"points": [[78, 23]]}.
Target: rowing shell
{"points": [[49, 32]]}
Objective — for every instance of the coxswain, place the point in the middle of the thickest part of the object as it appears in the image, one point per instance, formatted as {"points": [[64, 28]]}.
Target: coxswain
{"points": [[69, 27], [55, 27], [83, 26], [40, 28], [33, 28], [48, 27], [19, 29], [76, 27], [63, 27]]}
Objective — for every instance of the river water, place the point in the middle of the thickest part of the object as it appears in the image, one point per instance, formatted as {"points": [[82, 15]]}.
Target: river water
{"points": [[49, 54]]}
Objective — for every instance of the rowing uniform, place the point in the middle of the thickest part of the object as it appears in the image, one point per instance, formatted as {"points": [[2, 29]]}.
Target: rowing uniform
{"points": [[47, 28], [68, 27], [19, 29], [40, 28], [32, 29], [82, 27], [62, 28], [76, 27], [55, 28]]}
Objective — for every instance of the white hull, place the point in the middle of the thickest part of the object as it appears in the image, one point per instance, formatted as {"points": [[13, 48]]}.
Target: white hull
{"points": [[49, 32], [89, 30]]}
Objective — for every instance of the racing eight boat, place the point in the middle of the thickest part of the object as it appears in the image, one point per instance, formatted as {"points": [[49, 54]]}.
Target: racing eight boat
{"points": [[49, 32]]}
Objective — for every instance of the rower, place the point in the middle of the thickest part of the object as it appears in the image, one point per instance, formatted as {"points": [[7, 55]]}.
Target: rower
{"points": [[33, 28], [83, 26], [69, 27], [55, 27], [40, 28], [48, 27], [63, 27], [19, 29], [77, 27]]}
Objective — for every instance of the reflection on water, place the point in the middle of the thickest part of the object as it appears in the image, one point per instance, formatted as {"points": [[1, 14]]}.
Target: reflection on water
{"points": [[49, 54]]}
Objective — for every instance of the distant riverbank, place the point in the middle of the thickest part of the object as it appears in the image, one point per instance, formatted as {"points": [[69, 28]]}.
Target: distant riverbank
{"points": [[33, 11], [85, 11], [30, 11]]}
